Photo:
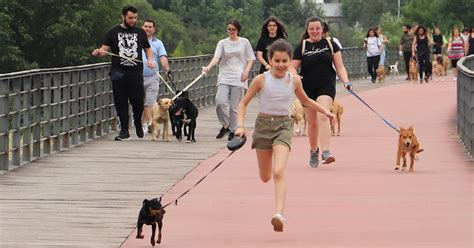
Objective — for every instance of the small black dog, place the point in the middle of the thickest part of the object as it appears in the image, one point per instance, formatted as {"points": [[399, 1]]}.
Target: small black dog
{"points": [[177, 120], [184, 106], [151, 213]]}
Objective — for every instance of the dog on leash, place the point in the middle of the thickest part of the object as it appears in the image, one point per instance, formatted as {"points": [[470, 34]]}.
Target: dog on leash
{"points": [[151, 213], [160, 115], [381, 74], [393, 69], [189, 112], [438, 67], [177, 120], [337, 110], [407, 144], [298, 117], [413, 70]]}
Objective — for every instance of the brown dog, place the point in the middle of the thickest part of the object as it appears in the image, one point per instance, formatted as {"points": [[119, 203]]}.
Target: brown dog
{"points": [[438, 68], [298, 117], [407, 143], [160, 115], [381, 74], [413, 70], [337, 110]]}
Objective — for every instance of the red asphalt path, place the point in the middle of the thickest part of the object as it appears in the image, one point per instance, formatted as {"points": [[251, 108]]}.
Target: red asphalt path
{"points": [[359, 201]]}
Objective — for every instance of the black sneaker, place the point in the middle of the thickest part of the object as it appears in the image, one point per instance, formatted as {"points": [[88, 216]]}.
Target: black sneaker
{"points": [[139, 130], [231, 136], [122, 136], [222, 132]]}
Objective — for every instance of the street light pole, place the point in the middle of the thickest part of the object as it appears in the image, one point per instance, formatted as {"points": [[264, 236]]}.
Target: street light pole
{"points": [[398, 9]]}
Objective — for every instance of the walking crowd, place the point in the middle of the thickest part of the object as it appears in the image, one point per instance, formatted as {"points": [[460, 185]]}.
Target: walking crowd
{"points": [[307, 71]]}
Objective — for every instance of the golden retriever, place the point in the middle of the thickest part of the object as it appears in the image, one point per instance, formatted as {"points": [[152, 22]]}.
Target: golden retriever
{"points": [[413, 70], [407, 144], [337, 110], [298, 117], [160, 115], [381, 74], [438, 68]]}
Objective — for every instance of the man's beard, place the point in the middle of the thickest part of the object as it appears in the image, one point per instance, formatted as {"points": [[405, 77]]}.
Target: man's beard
{"points": [[406, 32], [127, 25]]}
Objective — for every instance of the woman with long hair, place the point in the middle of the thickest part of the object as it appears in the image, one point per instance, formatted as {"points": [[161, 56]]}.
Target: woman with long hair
{"points": [[421, 50], [456, 50], [272, 30], [373, 47]]}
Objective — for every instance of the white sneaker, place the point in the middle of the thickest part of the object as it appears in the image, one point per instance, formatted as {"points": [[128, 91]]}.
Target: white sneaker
{"points": [[145, 128], [277, 222], [455, 78]]}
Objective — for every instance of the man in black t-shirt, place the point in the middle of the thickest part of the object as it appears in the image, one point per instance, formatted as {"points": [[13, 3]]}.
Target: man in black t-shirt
{"points": [[126, 73]]}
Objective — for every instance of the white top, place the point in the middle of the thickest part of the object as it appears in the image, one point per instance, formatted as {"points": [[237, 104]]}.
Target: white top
{"points": [[233, 56], [277, 94], [373, 44]]}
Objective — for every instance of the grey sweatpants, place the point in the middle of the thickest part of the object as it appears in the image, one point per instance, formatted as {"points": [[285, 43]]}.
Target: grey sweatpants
{"points": [[227, 114]]}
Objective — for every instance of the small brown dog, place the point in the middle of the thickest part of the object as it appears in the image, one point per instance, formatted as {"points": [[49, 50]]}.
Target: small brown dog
{"points": [[337, 110], [407, 143], [381, 74], [298, 117], [413, 70], [160, 115], [438, 67]]}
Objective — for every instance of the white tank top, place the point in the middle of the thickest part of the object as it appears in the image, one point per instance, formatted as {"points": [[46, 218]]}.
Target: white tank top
{"points": [[276, 96]]}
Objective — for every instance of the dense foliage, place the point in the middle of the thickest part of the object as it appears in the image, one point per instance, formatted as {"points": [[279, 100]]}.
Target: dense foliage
{"points": [[56, 33]]}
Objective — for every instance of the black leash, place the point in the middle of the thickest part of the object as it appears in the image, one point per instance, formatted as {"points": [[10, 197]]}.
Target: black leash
{"points": [[366, 104], [198, 182]]}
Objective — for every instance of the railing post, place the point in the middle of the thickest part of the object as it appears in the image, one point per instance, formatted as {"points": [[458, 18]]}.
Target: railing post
{"points": [[83, 105], [4, 125], [66, 109], [16, 121], [46, 113], [75, 107], [36, 128], [27, 116], [56, 110]]}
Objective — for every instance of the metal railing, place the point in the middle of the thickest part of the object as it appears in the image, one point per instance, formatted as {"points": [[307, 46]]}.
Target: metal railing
{"points": [[465, 102], [48, 110]]}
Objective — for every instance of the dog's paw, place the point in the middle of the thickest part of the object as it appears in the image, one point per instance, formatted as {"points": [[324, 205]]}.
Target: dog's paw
{"points": [[411, 170], [140, 236], [152, 242], [339, 134], [397, 168]]}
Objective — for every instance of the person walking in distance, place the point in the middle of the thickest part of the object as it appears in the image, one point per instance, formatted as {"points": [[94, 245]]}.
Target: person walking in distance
{"points": [[150, 79], [235, 57], [273, 126], [406, 42], [127, 41], [421, 49], [373, 48]]}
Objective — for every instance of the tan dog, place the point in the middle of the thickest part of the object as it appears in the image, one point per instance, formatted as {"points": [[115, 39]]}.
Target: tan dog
{"points": [[446, 63], [381, 74], [407, 143], [438, 68], [298, 117], [160, 115], [337, 110], [413, 70]]}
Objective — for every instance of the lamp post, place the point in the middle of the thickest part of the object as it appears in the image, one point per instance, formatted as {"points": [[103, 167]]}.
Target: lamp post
{"points": [[398, 9]]}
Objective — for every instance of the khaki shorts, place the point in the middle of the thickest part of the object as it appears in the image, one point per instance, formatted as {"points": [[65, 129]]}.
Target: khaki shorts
{"points": [[272, 130]]}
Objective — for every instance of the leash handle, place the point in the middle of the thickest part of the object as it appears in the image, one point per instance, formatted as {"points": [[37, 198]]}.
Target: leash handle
{"points": [[373, 110], [175, 201]]}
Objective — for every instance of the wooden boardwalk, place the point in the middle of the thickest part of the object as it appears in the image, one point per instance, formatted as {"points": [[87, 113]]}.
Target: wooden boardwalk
{"points": [[90, 195]]}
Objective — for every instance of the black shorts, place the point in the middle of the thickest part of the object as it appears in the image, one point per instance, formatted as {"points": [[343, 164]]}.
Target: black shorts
{"points": [[328, 89], [454, 63]]}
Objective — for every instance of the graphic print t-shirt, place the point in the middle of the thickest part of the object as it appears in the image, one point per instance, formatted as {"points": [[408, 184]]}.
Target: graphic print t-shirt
{"points": [[127, 43], [316, 64]]}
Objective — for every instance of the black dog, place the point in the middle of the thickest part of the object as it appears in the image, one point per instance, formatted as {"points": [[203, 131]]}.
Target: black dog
{"points": [[151, 213], [184, 106], [177, 120]]}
